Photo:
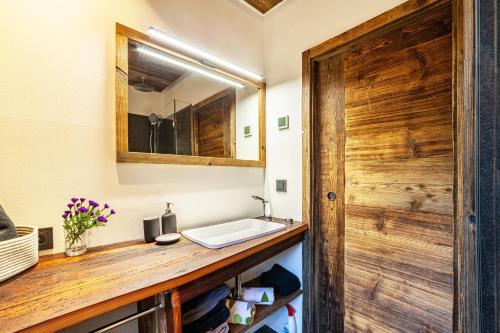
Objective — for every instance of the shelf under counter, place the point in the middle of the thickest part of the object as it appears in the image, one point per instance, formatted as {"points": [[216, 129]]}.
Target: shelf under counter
{"points": [[264, 311], [60, 292]]}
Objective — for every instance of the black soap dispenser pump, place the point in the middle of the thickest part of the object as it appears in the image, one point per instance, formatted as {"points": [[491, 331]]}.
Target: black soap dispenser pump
{"points": [[169, 221]]}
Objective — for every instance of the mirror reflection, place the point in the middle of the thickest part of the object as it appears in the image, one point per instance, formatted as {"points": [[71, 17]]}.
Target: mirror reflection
{"points": [[178, 110]]}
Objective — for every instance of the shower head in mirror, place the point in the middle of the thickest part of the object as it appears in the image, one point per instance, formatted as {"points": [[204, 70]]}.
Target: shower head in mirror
{"points": [[143, 86], [154, 118]]}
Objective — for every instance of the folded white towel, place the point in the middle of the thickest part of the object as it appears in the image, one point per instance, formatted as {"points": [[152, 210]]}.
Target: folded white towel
{"points": [[240, 312], [262, 296]]}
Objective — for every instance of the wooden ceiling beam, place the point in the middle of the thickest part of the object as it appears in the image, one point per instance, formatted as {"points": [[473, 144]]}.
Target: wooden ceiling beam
{"points": [[154, 72], [158, 83], [263, 6]]}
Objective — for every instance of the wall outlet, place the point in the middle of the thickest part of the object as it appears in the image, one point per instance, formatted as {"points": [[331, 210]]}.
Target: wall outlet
{"points": [[45, 238], [280, 185], [283, 122]]}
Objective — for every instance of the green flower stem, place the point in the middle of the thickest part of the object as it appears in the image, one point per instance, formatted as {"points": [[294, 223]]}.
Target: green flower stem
{"points": [[79, 223]]}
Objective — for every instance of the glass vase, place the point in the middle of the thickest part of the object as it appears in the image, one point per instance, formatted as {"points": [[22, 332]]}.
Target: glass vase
{"points": [[76, 246]]}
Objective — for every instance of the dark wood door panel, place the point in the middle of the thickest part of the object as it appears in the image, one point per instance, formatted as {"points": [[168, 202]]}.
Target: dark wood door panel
{"points": [[329, 177], [212, 124]]}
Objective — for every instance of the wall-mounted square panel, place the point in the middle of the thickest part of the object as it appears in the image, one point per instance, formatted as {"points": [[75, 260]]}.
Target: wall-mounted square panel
{"points": [[280, 185], [45, 238], [247, 131], [283, 122]]}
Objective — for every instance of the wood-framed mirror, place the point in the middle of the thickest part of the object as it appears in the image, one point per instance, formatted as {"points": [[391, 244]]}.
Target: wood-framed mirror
{"points": [[172, 108]]}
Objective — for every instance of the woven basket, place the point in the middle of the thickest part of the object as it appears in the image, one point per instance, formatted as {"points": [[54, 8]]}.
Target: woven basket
{"points": [[19, 254]]}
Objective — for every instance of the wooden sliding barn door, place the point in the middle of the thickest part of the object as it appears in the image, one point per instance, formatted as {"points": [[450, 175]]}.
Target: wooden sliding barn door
{"points": [[383, 180]]}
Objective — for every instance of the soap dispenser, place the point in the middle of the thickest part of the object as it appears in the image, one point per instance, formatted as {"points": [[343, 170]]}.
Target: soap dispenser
{"points": [[169, 221]]}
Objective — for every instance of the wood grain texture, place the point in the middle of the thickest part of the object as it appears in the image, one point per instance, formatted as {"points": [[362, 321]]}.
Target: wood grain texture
{"points": [[132, 157], [154, 71], [329, 177], [309, 249], [121, 92], [213, 118], [174, 313], [60, 291], [308, 133], [121, 106], [263, 6], [399, 178], [121, 44], [463, 287], [404, 11], [466, 280], [231, 134], [211, 123]]}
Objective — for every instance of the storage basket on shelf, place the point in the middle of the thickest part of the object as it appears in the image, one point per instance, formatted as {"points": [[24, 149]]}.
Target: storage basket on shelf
{"points": [[19, 254]]}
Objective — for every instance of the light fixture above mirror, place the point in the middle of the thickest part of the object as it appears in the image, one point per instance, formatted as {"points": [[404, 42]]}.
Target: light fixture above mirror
{"points": [[204, 56], [165, 57]]}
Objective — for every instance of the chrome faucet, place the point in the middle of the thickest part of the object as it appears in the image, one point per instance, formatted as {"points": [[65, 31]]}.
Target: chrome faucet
{"points": [[266, 205]]}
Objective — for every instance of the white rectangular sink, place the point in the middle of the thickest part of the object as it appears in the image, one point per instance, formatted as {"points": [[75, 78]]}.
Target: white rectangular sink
{"points": [[226, 234]]}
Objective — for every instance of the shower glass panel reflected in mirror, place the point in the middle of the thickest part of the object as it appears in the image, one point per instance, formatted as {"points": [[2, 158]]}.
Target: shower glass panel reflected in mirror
{"points": [[174, 110]]}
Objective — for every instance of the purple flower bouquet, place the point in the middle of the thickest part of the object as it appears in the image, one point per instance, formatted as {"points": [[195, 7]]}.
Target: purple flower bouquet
{"points": [[82, 215]]}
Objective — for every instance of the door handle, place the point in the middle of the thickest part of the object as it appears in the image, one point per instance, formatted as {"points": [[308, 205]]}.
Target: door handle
{"points": [[331, 196]]}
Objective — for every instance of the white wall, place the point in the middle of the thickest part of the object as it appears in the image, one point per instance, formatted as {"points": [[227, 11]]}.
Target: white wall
{"points": [[57, 118], [144, 103], [294, 27], [247, 114], [192, 88]]}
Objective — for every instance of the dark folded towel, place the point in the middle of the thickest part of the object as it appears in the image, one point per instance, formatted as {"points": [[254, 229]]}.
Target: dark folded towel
{"points": [[265, 329], [283, 282], [210, 321], [201, 305], [7, 227]]}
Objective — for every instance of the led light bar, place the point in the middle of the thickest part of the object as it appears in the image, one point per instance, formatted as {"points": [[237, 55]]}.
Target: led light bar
{"points": [[179, 63], [172, 41]]}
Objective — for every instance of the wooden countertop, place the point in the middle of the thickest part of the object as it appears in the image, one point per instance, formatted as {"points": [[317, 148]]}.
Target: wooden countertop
{"points": [[60, 291]]}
